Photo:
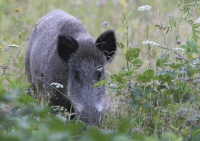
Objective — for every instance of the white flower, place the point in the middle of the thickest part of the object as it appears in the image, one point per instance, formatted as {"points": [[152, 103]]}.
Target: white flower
{"points": [[144, 8], [178, 49], [58, 85], [61, 118], [134, 44], [150, 42], [13, 45], [198, 20]]}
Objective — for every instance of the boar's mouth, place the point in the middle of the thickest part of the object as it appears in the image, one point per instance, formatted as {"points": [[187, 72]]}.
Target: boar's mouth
{"points": [[88, 119], [91, 115]]}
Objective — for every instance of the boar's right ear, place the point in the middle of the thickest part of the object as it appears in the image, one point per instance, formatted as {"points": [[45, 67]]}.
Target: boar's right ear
{"points": [[106, 42], [66, 46]]}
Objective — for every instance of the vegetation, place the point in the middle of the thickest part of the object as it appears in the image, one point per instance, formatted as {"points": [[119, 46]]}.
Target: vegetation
{"points": [[154, 80]]}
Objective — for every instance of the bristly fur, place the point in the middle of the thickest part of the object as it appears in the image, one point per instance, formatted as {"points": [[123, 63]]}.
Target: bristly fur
{"points": [[60, 50]]}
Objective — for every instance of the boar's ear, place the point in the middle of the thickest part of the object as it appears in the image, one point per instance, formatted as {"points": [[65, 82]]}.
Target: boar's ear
{"points": [[66, 46], [106, 42]]}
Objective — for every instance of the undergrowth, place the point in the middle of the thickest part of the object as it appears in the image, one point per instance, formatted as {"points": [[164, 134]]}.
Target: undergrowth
{"points": [[156, 93]]}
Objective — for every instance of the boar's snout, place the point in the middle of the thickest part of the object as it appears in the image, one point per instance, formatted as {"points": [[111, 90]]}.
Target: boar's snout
{"points": [[91, 118], [91, 115]]}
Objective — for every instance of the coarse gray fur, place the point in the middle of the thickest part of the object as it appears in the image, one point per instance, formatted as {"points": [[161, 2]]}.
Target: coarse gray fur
{"points": [[60, 50]]}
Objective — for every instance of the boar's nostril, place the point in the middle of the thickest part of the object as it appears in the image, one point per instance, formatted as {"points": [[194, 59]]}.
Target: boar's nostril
{"points": [[104, 105], [90, 118]]}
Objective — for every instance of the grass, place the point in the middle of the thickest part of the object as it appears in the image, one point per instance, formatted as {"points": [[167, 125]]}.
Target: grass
{"points": [[169, 110]]}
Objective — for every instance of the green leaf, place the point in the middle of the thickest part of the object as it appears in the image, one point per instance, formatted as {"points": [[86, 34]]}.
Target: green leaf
{"points": [[119, 78], [124, 126], [196, 61], [123, 72], [196, 138], [100, 83], [192, 119], [27, 99], [120, 45], [146, 105], [142, 78], [121, 30], [135, 104], [165, 56], [137, 62], [114, 87], [146, 89], [191, 44], [149, 73], [171, 73], [129, 15], [139, 91], [132, 53], [136, 91], [138, 137], [146, 76], [195, 133], [155, 117], [160, 62]]}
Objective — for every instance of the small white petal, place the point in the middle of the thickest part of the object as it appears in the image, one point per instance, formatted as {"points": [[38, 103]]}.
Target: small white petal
{"points": [[198, 20], [143, 8], [179, 49], [150, 42], [57, 85], [13, 45]]}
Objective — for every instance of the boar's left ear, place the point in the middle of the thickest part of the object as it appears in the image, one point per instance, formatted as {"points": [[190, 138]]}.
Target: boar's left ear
{"points": [[66, 46], [106, 42]]}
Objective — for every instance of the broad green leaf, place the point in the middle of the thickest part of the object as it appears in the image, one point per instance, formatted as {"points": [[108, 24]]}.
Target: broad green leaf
{"points": [[137, 62], [173, 74], [100, 83], [165, 56], [123, 72], [120, 45], [132, 53], [146, 105], [129, 15], [123, 127], [160, 62], [142, 78], [196, 61], [149, 73], [135, 104], [139, 91], [191, 44], [27, 99], [196, 133]]}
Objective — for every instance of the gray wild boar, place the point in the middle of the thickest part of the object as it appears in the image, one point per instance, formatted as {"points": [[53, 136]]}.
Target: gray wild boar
{"points": [[61, 50]]}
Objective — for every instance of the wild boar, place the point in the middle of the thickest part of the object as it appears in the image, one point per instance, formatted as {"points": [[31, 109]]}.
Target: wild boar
{"points": [[61, 50]]}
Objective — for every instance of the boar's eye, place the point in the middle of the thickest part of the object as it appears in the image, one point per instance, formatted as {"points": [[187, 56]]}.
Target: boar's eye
{"points": [[76, 75], [99, 73]]}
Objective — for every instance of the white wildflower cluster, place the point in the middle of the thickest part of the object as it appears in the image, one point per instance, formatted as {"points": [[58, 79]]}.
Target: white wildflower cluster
{"points": [[134, 44], [13, 45], [178, 49], [144, 8], [150, 42], [58, 85], [198, 20], [61, 118]]}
